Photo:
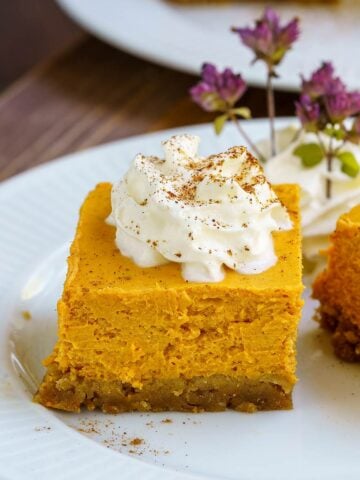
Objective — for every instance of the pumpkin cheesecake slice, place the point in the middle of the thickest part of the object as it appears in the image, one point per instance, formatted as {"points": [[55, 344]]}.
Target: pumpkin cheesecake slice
{"points": [[337, 288], [183, 290]]}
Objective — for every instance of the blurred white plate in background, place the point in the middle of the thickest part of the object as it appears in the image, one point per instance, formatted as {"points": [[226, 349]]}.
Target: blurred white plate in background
{"points": [[185, 37]]}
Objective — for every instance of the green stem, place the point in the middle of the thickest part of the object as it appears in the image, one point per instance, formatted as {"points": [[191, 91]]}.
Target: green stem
{"points": [[342, 144], [329, 158], [329, 161], [271, 111], [329, 155], [321, 143], [247, 138]]}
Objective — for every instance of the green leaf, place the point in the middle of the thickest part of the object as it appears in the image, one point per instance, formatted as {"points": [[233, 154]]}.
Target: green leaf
{"points": [[219, 123], [349, 164], [243, 112], [311, 154]]}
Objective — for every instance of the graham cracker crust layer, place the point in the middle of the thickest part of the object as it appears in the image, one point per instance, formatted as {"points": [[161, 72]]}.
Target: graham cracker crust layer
{"points": [[345, 334], [67, 391]]}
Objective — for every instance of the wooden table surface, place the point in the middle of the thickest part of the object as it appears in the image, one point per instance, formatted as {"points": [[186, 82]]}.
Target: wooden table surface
{"points": [[92, 93]]}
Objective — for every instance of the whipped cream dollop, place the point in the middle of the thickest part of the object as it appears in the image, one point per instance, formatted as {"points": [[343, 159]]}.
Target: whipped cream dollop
{"points": [[201, 212], [319, 214]]}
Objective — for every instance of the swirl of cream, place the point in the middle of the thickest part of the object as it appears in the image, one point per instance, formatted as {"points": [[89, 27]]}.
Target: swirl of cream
{"points": [[201, 212]]}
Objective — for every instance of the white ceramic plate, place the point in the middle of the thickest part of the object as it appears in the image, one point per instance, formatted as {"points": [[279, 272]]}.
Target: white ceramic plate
{"points": [[38, 212], [184, 37]]}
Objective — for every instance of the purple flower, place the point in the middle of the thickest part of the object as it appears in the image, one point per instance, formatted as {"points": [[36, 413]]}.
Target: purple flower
{"points": [[269, 40], [308, 113], [322, 82], [342, 105], [354, 103], [333, 100], [217, 91]]}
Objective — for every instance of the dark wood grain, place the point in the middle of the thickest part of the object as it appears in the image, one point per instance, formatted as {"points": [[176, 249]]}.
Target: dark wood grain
{"points": [[92, 94], [31, 30]]}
